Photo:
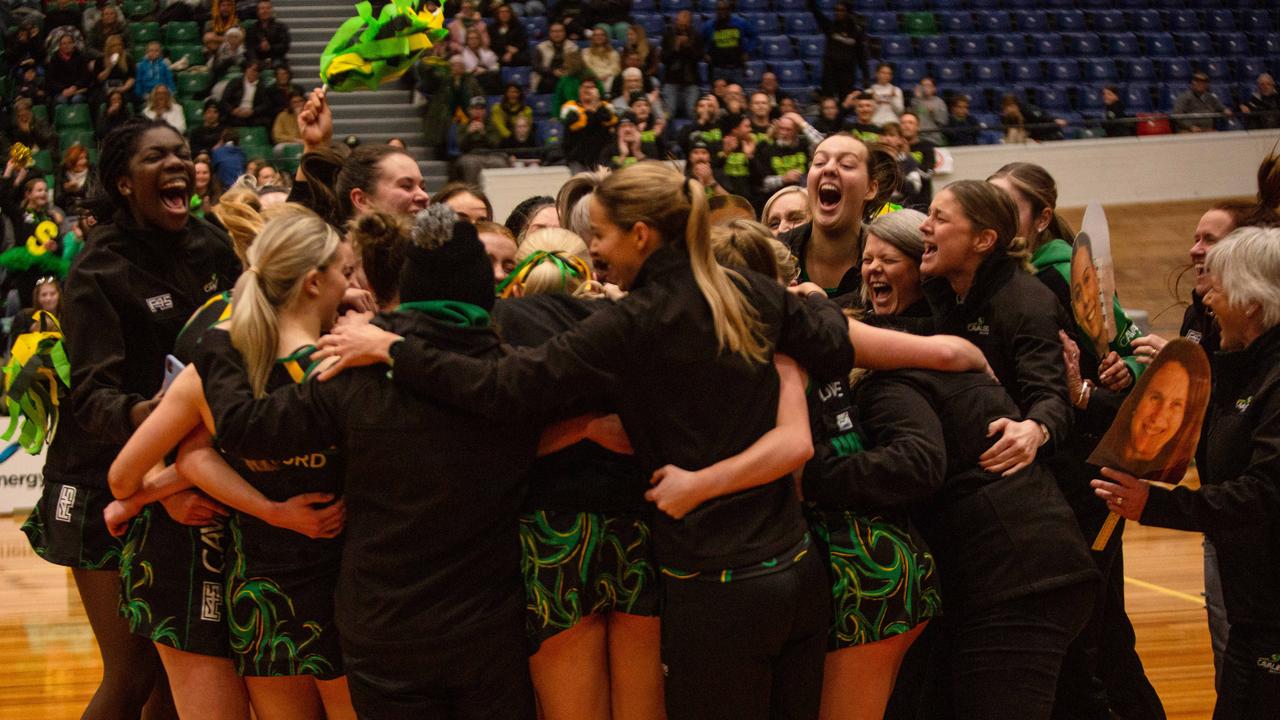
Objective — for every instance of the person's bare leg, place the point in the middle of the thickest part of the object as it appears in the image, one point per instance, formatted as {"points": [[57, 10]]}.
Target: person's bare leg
{"points": [[336, 697], [571, 673], [130, 667], [857, 681], [635, 667], [204, 686], [284, 698]]}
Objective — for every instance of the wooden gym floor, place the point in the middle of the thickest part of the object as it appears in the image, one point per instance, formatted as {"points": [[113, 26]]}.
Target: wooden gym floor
{"points": [[52, 666]]}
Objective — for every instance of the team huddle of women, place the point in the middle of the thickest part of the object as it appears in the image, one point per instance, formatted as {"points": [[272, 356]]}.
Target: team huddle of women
{"points": [[349, 457]]}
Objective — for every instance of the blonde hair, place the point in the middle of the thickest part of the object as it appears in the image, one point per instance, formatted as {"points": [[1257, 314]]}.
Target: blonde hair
{"points": [[788, 265], [553, 260], [289, 247], [573, 212], [745, 243], [240, 212], [788, 190], [676, 209]]}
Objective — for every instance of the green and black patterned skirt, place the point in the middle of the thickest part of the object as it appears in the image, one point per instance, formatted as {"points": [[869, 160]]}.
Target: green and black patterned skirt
{"points": [[66, 528], [577, 564], [882, 583]]}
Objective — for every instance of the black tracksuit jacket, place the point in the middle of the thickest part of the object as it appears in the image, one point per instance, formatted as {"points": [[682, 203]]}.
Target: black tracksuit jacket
{"points": [[1238, 504], [682, 400], [128, 295]]}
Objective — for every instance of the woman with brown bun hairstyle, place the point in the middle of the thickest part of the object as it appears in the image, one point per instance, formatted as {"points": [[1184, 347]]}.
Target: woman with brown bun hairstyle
{"points": [[744, 619]]}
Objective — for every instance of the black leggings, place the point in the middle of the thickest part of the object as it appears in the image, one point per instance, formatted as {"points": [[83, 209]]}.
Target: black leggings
{"points": [[747, 649], [1250, 682]]}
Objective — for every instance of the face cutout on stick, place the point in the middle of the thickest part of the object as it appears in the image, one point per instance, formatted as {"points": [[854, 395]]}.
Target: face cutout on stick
{"points": [[1093, 283]]}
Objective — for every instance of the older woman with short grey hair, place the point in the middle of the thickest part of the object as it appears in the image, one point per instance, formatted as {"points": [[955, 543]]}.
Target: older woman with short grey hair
{"points": [[1238, 503]]}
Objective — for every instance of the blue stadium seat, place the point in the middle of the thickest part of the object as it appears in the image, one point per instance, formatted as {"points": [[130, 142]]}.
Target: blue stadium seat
{"points": [[674, 6], [790, 72], [541, 104], [958, 21], [1218, 69], [704, 73], [1175, 70], [882, 23], [908, 5], [1030, 21], [1122, 44], [517, 75], [971, 46], [1062, 69], [992, 21], [1232, 44], [710, 6], [977, 96], [1266, 44], [1195, 43], [1167, 94], [986, 71], [948, 71], [1100, 69], [1083, 44], [645, 6], [1053, 98], [803, 94], [910, 71], [1133, 4], [1219, 20], [1107, 21], [757, 5], [1088, 97], [1248, 69], [1256, 20], [753, 70], [549, 133], [765, 23], [1182, 20], [1010, 45], [1137, 97], [1139, 69], [810, 47], [949, 4], [896, 46], [937, 46], [1159, 44], [1145, 21], [1025, 70], [1093, 4], [1048, 44], [801, 23], [654, 25], [1069, 21], [776, 47], [536, 27]]}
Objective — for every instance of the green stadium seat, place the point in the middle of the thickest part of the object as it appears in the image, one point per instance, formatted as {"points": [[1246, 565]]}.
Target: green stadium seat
{"points": [[255, 150], [40, 112], [141, 33], [92, 152], [135, 9], [288, 157], [254, 135], [178, 33], [193, 53], [43, 160], [919, 23], [194, 112], [137, 51], [72, 117], [75, 137], [193, 84]]}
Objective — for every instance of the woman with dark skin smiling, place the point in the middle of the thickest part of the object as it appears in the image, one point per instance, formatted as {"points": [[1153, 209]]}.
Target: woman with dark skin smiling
{"points": [[142, 274], [1238, 502]]}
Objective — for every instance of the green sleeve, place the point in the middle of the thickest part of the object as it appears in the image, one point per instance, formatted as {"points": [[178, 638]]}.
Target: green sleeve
{"points": [[1122, 344]]}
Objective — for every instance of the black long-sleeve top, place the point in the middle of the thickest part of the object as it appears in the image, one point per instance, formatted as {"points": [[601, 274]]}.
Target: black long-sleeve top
{"points": [[61, 73], [1200, 326], [682, 399], [129, 293], [432, 550], [680, 64], [1238, 503], [1014, 320]]}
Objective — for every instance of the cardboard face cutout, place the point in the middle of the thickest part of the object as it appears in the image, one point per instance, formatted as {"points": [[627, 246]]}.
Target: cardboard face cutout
{"points": [[1155, 433], [1093, 283]]}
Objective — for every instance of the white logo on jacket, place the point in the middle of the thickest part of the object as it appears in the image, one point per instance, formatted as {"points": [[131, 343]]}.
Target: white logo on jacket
{"points": [[66, 501], [160, 303]]}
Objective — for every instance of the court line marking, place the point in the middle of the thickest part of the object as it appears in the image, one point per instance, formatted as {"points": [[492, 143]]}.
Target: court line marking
{"points": [[1199, 601]]}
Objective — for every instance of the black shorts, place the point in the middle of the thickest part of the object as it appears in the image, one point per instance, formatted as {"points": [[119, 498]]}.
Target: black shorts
{"points": [[281, 607], [579, 564], [172, 583], [66, 528]]}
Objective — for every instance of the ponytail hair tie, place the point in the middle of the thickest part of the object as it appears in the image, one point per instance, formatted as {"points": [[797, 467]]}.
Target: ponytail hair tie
{"points": [[253, 269], [568, 266]]}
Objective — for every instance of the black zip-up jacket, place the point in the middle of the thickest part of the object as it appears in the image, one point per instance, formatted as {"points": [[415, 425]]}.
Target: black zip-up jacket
{"points": [[432, 551], [129, 293], [1200, 326], [848, 292], [583, 477], [682, 399], [996, 538], [681, 64], [1014, 319], [1238, 503]]}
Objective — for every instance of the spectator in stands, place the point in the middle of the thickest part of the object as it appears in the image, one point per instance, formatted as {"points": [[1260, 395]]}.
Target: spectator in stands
{"points": [[116, 69], [115, 112], [600, 58], [629, 147], [503, 114], [1198, 100], [153, 70], [735, 166], [588, 127], [1012, 120], [681, 53], [467, 200], [209, 134], [1262, 109], [861, 124], [245, 101], [508, 38], [788, 104], [923, 151], [521, 145], [729, 40], [478, 142], [706, 126], [266, 175], [450, 92], [65, 13], [735, 101], [844, 60], [231, 54], [160, 106], [25, 45], [632, 83], [613, 15], [769, 86], [73, 180], [551, 55], [929, 109], [30, 84], [638, 43], [652, 128], [962, 128], [529, 8], [1114, 114], [267, 39], [785, 160], [908, 193], [284, 87], [481, 62], [648, 83], [888, 97], [698, 166], [1024, 121], [761, 114], [830, 119], [575, 75], [228, 160], [224, 17], [284, 129], [467, 19], [569, 14], [110, 23], [68, 76], [208, 188]]}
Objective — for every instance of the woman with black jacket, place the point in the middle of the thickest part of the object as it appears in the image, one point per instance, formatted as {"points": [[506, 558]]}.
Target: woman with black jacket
{"points": [[1238, 502], [744, 621], [129, 293]]}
